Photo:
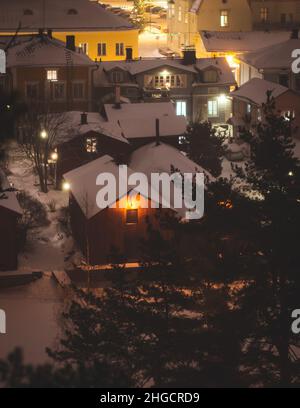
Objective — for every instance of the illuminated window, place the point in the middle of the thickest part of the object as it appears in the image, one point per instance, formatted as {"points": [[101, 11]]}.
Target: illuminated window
{"points": [[132, 216], [179, 13], [224, 18], [181, 140], [165, 80], [181, 108], [264, 14], [212, 108], [91, 144], [52, 75], [186, 17], [119, 49], [101, 49], [84, 47]]}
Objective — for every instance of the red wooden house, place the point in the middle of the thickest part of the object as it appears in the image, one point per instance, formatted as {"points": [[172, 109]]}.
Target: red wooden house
{"points": [[10, 211]]}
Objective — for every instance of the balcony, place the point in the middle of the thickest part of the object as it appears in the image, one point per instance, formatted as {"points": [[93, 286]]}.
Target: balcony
{"points": [[156, 94]]}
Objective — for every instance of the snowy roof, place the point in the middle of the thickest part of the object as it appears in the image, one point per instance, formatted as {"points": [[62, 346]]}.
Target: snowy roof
{"points": [[72, 127], [238, 41], [138, 120], [136, 110], [58, 15], [161, 158], [83, 183], [255, 91], [9, 199], [43, 51], [143, 65], [225, 73], [277, 56]]}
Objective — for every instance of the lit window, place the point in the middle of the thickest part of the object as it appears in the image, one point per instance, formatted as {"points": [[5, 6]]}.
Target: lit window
{"points": [[119, 49], [181, 108], [84, 47], [52, 75], [165, 80], [132, 216], [181, 140], [264, 14], [224, 18], [179, 13], [101, 49], [248, 108], [186, 17], [212, 108], [91, 144]]}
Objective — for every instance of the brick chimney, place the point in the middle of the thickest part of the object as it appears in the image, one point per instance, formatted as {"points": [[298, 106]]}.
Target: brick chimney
{"points": [[118, 97], [84, 119], [189, 56], [70, 42]]}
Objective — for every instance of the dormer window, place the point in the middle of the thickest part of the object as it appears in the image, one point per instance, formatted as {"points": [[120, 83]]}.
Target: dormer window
{"points": [[28, 12], [210, 76], [117, 76], [72, 12]]}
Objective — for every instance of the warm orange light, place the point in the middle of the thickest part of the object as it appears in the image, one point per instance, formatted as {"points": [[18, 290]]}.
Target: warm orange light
{"points": [[232, 62], [227, 204]]}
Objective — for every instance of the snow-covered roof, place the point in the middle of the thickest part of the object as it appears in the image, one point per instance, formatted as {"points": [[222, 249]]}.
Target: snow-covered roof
{"points": [[277, 56], [83, 184], [255, 91], [237, 41], [225, 76], [161, 158], [138, 120], [43, 51], [72, 127], [9, 200], [139, 110], [59, 15]]}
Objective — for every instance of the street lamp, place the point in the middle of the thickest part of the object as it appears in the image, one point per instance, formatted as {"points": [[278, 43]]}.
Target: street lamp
{"points": [[44, 134], [66, 186]]}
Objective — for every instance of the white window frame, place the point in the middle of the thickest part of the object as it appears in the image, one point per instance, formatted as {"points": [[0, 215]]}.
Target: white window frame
{"points": [[120, 49], [224, 18], [91, 144], [212, 108], [181, 108]]}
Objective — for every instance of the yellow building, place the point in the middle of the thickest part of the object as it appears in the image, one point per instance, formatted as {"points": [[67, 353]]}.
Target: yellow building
{"points": [[100, 33]]}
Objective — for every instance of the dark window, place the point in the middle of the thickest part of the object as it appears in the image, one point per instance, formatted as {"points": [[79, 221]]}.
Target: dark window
{"points": [[119, 49], [72, 12], [131, 216], [28, 12], [101, 49], [284, 80], [32, 91]]}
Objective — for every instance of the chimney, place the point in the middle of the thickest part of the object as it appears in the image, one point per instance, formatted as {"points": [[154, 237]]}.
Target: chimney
{"points": [[295, 34], [157, 136], [118, 97], [84, 118], [70, 42], [129, 54], [49, 33], [189, 56]]}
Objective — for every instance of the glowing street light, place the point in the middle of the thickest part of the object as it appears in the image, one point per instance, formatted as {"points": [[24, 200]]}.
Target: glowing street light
{"points": [[66, 186], [44, 134], [54, 156], [222, 98]]}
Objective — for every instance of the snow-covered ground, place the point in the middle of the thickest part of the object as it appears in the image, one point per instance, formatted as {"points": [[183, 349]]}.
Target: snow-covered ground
{"points": [[32, 310], [150, 42]]}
